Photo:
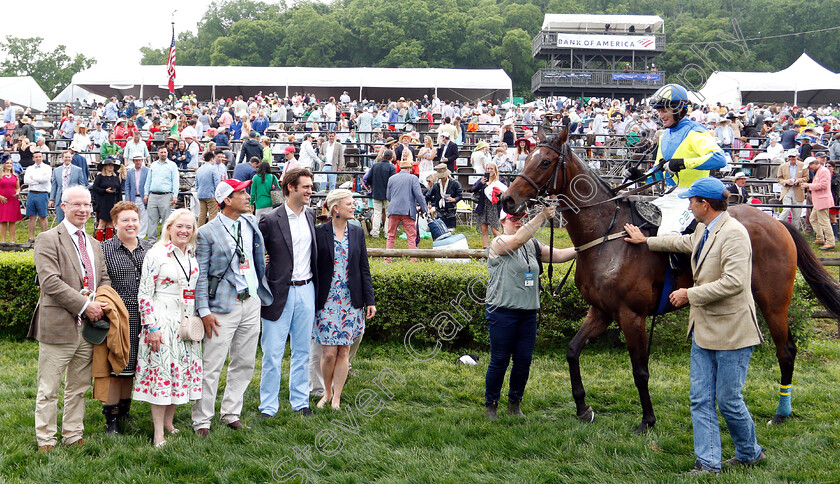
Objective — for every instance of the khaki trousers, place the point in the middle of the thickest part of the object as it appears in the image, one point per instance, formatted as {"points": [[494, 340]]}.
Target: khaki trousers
{"points": [[316, 378], [209, 210], [239, 332], [822, 227], [54, 362], [379, 207]]}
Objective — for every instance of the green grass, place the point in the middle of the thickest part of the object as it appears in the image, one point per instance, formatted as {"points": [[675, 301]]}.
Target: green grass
{"points": [[433, 428]]}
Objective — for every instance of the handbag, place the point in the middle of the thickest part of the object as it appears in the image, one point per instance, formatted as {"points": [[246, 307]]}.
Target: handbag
{"points": [[276, 195], [192, 327]]}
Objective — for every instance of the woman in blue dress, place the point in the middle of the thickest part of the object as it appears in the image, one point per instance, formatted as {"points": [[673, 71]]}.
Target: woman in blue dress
{"points": [[342, 305]]}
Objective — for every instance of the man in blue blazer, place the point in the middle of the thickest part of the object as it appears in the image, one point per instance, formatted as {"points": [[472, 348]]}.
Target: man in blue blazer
{"points": [[447, 152], [289, 231], [232, 288], [64, 176], [135, 189]]}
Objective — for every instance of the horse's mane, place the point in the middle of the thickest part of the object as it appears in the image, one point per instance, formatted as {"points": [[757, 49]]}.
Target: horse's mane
{"points": [[554, 141]]}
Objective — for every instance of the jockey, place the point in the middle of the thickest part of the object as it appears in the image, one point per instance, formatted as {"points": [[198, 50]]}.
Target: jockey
{"points": [[686, 150]]}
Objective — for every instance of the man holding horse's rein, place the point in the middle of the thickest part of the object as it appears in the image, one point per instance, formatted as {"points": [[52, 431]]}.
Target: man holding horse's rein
{"points": [[722, 323], [686, 150]]}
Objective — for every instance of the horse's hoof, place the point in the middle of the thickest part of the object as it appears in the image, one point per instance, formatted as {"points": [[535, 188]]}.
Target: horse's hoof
{"points": [[587, 416], [777, 420], [644, 427]]}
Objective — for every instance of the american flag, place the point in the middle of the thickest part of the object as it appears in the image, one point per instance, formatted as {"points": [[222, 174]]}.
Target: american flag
{"points": [[170, 64]]}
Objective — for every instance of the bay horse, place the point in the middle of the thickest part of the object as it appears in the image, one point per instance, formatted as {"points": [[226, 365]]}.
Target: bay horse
{"points": [[623, 282]]}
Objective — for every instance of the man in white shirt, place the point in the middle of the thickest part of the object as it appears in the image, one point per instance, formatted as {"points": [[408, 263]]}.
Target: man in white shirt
{"points": [[194, 149], [39, 178], [98, 136], [136, 146], [333, 153], [308, 158], [289, 233]]}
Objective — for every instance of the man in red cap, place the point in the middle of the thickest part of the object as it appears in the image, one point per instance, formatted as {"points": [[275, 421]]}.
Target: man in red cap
{"points": [[230, 292]]}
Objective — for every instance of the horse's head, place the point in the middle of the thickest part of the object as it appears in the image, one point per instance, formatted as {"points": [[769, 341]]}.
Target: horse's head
{"points": [[544, 173]]}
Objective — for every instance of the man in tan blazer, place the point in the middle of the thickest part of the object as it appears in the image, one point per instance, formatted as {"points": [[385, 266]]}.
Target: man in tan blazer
{"points": [[722, 323], [69, 263], [791, 175]]}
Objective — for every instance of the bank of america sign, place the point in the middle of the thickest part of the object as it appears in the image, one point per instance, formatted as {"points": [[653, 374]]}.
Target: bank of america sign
{"points": [[612, 42]]}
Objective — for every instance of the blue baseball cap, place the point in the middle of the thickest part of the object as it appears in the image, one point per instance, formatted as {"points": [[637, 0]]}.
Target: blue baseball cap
{"points": [[707, 187]]}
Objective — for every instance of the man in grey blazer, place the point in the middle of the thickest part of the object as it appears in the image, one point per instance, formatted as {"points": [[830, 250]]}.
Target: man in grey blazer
{"points": [[64, 176], [135, 190], [70, 266], [722, 323], [289, 232], [228, 296]]}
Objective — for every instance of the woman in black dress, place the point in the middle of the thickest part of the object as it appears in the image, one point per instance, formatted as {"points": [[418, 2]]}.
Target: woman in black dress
{"points": [[107, 191], [124, 256]]}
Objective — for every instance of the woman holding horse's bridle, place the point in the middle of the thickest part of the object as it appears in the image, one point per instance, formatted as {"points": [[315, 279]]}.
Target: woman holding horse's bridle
{"points": [[513, 298]]}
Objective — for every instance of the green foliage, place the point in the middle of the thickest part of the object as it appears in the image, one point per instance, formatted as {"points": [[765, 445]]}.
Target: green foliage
{"points": [[494, 33], [18, 293], [53, 71]]}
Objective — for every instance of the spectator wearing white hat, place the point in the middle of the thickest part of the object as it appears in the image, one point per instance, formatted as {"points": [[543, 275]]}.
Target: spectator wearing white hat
{"points": [[791, 175], [738, 187]]}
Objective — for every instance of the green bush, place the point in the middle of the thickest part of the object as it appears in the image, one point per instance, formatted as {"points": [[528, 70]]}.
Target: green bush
{"points": [[425, 302], [18, 293]]}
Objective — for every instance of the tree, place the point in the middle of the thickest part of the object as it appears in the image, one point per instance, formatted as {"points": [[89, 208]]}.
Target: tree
{"points": [[53, 71]]}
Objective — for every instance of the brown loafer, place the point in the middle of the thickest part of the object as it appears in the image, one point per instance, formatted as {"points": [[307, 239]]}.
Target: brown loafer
{"points": [[43, 449], [203, 433], [77, 443], [238, 425]]}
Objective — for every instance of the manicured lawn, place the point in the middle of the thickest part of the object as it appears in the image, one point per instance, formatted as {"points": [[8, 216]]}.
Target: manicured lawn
{"points": [[432, 428]]}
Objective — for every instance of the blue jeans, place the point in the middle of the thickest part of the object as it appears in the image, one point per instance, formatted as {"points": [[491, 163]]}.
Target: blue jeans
{"points": [[295, 324], [513, 333], [330, 178], [719, 376]]}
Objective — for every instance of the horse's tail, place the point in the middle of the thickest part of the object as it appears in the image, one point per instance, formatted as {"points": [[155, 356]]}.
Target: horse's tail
{"points": [[821, 282]]}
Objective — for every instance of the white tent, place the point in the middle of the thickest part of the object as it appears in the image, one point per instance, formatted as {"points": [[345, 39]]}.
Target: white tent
{"points": [[72, 92], [805, 82], [23, 91], [360, 82], [597, 23]]}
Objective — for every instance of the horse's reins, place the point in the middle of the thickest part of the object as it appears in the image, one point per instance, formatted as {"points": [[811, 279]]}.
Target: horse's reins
{"points": [[560, 168]]}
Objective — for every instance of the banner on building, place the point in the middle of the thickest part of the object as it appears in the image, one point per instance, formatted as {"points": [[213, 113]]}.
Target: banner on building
{"points": [[614, 42], [636, 77], [566, 75]]}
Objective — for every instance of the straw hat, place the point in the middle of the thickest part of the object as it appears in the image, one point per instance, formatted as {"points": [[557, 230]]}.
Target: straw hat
{"points": [[481, 145]]}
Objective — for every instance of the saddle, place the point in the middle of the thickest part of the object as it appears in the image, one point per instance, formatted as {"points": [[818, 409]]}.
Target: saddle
{"points": [[644, 215]]}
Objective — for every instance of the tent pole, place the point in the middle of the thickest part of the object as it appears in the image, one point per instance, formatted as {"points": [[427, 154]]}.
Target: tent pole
{"points": [[796, 98], [141, 91], [213, 93], [360, 93], [287, 90]]}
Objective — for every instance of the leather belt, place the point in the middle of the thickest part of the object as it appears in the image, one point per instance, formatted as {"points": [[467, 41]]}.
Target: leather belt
{"points": [[161, 193], [243, 295], [302, 283]]}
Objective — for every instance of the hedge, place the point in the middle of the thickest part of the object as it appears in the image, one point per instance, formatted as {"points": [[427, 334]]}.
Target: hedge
{"points": [[423, 303]]}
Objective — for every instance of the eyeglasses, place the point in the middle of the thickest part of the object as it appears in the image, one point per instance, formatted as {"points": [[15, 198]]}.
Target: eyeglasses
{"points": [[79, 205]]}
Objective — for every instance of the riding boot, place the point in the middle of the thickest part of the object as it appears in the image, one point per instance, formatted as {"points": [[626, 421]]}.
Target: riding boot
{"points": [[490, 411], [109, 232], [99, 234], [513, 408], [834, 229], [112, 415], [125, 406]]}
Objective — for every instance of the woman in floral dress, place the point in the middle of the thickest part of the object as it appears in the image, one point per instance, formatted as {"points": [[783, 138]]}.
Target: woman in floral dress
{"points": [[343, 304], [169, 369]]}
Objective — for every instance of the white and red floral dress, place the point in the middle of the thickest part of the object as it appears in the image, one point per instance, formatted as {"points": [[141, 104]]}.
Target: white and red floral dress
{"points": [[172, 375]]}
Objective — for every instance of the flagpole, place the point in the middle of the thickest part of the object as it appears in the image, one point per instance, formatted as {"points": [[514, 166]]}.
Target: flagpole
{"points": [[170, 62]]}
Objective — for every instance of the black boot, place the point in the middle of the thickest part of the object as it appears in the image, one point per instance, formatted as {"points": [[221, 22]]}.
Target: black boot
{"points": [[125, 406], [490, 411], [834, 229], [513, 408], [112, 415]]}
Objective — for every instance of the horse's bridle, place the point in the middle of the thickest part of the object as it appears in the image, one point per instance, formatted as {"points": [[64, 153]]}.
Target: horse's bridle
{"points": [[560, 168]]}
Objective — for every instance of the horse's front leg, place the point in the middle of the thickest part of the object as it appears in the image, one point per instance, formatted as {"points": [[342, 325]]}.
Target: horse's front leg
{"points": [[594, 324], [633, 326]]}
